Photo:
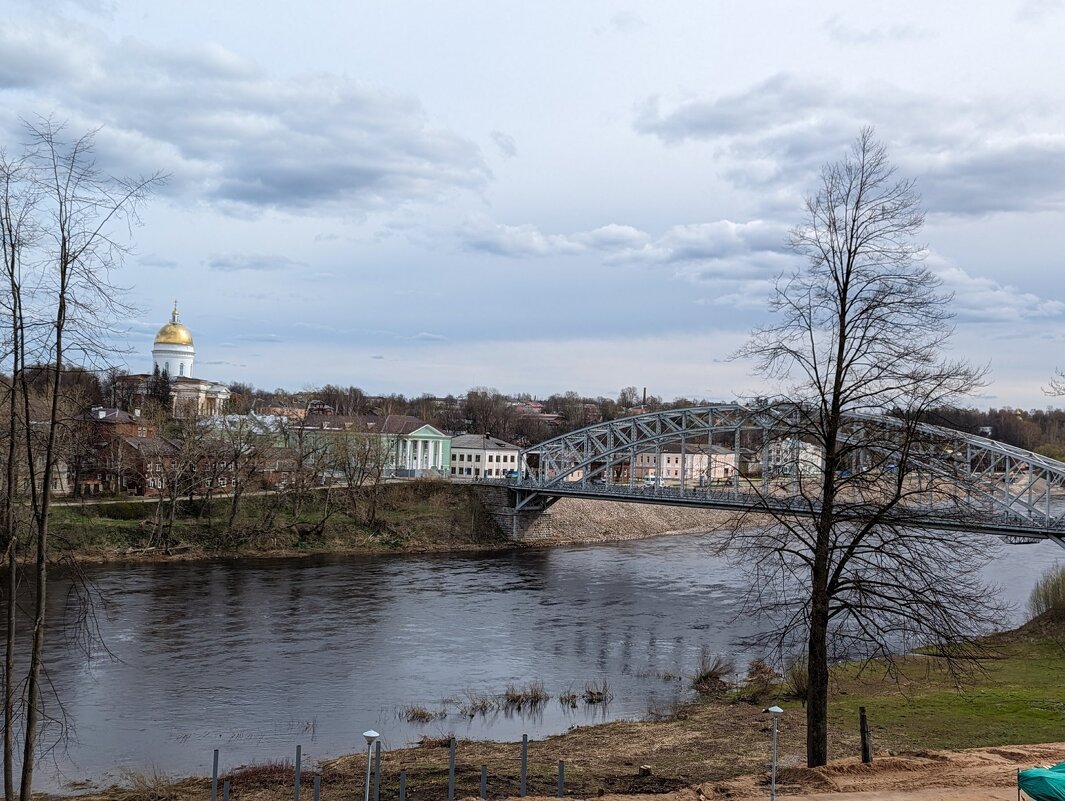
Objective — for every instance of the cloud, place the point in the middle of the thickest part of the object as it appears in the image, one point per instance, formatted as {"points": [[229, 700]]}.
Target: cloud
{"points": [[722, 240], [970, 157], [844, 33], [1036, 11], [377, 356], [259, 338], [505, 143], [229, 134], [980, 299], [234, 262], [154, 261], [425, 336]]}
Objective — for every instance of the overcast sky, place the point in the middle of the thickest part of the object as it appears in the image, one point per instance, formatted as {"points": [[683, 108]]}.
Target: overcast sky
{"points": [[540, 196]]}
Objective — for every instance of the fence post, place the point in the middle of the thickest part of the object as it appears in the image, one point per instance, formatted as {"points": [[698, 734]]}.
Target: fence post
{"points": [[214, 777], [225, 790], [561, 778], [296, 786], [403, 785], [867, 746], [317, 787], [377, 771], [451, 771], [484, 783], [524, 764]]}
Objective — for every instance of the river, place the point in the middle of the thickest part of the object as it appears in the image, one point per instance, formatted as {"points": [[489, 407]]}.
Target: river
{"points": [[254, 656]]}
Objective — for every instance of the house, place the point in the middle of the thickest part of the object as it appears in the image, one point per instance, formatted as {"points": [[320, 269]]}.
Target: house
{"points": [[484, 456], [790, 456], [409, 447], [694, 463], [122, 453]]}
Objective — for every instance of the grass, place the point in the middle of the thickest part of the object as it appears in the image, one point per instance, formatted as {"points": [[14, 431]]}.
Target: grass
{"points": [[416, 713], [533, 695]]}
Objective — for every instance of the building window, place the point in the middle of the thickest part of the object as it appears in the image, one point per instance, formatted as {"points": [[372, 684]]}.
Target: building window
{"points": [[478, 457], [142, 431], [453, 457], [181, 368], [452, 471]]}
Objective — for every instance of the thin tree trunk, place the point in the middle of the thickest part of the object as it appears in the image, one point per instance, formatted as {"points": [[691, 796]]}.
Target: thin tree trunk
{"points": [[33, 686]]}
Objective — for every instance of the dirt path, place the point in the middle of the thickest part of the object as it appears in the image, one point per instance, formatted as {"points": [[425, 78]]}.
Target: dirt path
{"points": [[981, 774]]}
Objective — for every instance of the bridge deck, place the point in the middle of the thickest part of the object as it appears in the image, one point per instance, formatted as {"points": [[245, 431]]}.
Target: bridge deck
{"points": [[1014, 527]]}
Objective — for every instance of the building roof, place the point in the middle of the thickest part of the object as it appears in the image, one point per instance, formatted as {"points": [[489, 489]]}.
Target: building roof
{"points": [[481, 442], [114, 416], [174, 332], [151, 446]]}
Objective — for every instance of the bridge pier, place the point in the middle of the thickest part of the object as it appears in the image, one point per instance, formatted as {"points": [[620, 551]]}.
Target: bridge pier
{"points": [[530, 524]]}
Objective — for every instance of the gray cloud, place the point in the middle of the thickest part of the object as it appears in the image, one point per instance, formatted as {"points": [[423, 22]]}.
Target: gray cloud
{"points": [[843, 32], [506, 144], [232, 262], [701, 242], [154, 261], [233, 136], [970, 158]]}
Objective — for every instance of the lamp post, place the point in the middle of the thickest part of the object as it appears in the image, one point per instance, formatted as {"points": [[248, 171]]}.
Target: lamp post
{"points": [[370, 736], [776, 712]]}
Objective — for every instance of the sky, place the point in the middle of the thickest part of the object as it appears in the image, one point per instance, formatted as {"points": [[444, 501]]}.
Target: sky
{"points": [[544, 196]]}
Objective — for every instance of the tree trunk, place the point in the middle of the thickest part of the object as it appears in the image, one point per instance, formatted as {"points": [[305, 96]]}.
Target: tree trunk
{"points": [[817, 666]]}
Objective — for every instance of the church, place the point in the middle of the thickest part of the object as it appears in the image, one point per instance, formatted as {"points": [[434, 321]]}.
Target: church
{"points": [[174, 353]]}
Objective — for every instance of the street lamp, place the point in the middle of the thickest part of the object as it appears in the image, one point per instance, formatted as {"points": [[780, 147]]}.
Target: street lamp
{"points": [[776, 712], [370, 736]]}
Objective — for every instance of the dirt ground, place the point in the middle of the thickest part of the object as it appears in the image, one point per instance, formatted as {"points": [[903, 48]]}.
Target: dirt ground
{"points": [[982, 774]]}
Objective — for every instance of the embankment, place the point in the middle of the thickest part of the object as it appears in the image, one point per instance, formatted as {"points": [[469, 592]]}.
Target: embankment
{"points": [[412, 516]]}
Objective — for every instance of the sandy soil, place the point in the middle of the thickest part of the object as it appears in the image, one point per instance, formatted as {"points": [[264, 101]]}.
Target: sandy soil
{"points": [[982, 774]]}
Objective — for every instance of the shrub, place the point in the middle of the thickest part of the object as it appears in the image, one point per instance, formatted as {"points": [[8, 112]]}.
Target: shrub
{"points": [[151, 785], [127, 510], [710, 678], [421, 714], [759, 682], [1049, 592], [597, 692], [797, 679], [533, 694], [476, 704]]}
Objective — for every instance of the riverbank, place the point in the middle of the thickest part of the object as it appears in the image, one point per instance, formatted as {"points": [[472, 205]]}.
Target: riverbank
{"points": [[420, 516], [924, 732]]}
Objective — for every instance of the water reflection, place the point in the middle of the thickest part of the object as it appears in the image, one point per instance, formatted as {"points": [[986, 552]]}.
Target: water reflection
{"points": [[254, 656]]}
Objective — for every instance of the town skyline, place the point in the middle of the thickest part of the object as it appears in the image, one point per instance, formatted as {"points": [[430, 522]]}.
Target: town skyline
{"points": [[546, 198]]}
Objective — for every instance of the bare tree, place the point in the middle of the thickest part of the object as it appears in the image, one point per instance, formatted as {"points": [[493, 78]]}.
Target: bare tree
{"points": [[62, 303], [858, 334]]}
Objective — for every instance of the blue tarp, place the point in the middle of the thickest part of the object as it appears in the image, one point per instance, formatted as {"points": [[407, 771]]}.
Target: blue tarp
{"points": [[1043, 784]]}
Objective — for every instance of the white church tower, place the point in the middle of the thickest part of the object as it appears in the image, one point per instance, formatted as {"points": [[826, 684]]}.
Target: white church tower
{"points": [[173, 351]]}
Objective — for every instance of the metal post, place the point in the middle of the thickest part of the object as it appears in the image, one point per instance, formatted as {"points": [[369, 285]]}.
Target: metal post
{"points": [[863, 727], [773, 779], [377, 771], [225, 790], [214, 777], [317, 794], [561, 778], [451, 772], [484, 783], [369, 756], [296, 784], [524, 764], [403, 785]]}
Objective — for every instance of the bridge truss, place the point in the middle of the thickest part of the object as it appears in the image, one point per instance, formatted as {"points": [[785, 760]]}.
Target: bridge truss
{"points": [[764, 459]]}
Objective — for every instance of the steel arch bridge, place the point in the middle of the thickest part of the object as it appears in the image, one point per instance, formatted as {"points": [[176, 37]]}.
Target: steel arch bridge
{"points": [[757, 459]]}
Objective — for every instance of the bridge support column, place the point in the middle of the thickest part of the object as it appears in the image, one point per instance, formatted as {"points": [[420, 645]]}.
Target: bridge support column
{"points": [[529, 524]]}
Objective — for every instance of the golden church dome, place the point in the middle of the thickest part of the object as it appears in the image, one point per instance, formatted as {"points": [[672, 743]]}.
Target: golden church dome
{"points": [[174, 332]]}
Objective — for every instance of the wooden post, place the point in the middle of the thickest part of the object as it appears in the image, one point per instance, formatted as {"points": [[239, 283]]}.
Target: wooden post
{"points": [[867, 745]]}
